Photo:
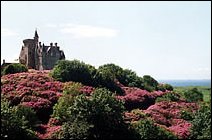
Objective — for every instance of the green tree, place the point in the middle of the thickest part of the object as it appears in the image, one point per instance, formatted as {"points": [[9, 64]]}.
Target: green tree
{"points": [[131, 79], [150, 83], [14, 68], [75, 70], [193, 95], [100, 116], [105, 79]]}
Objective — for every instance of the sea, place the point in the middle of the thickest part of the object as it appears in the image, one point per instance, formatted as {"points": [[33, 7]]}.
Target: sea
{"points": [[183, 83]]}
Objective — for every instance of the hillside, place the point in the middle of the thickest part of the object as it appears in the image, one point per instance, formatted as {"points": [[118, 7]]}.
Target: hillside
{"points": [[41, 92]]}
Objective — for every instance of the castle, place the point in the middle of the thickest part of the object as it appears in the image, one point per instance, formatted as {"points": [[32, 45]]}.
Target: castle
{"points": [[39, 57]]}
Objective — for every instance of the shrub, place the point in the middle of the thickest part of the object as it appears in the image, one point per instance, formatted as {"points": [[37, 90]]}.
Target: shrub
{"points": [[164, 87], [60, 108], [147, 130], [86, 74], [27, 114], [14, 68], [124, 76], [131, 79], [73, 130], [72, 88], [138, 99], [100, 116], [105, 78], [170, 96], [186, 115], [150, 83], [12, 125], [116, 71], [201, 124], [193, 95], [75, 70], [168, 87]]}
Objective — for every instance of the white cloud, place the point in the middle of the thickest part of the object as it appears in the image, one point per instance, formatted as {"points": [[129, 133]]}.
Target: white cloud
{"points": [[7, 32], [87, 31]]}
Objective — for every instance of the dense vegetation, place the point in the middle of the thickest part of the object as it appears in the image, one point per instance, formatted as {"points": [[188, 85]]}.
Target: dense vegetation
{"points": [[201, 124], [82, 102], [105, 76], [17, 122], [14, 68]]}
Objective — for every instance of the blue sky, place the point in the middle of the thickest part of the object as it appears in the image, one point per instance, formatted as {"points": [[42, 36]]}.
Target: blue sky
{"points": [[167, 40]]}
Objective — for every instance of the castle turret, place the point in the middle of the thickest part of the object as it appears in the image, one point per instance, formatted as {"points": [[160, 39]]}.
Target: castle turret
{"points": [[36, 37]]}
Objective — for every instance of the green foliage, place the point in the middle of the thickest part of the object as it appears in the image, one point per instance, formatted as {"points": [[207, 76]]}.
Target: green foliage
{"points": [[107, 113], [105, 78], [139, 113], [26, 113], [168, 87], [124, 76], [170, 96], [60, 108], [100, 116], [147, 130], [164, 87], [201, 124], [132, 79], [114, 70], [74, 130], [75, 70], [186, 115], [14, 68], [193, 95], [129, 78], [14, 126], [86, 74], [72, 88], [150, 83]]}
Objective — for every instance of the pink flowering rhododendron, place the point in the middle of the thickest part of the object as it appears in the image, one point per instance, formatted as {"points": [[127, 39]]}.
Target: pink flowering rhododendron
{"points": [[181, 129], [45, 131], [88, 90], [168, 114], [138, 98], [39, 91]]}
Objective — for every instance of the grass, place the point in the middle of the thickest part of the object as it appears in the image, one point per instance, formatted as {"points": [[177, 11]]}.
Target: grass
{"points": [[206, 91]]}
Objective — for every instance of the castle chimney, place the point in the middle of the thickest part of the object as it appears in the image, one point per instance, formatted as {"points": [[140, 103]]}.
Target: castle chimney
{"points": [[3, 61], [56, 46]]}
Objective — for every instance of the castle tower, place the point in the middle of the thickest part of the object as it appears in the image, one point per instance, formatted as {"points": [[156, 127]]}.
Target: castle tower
{"points": [[37, 48], [36, 37]]}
